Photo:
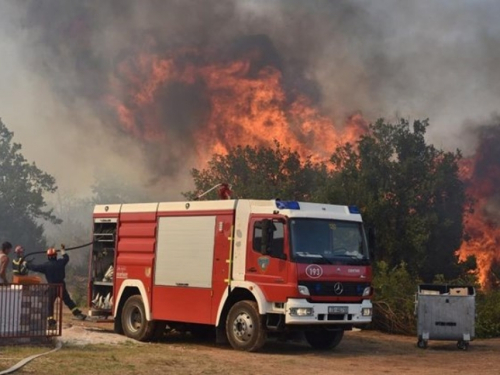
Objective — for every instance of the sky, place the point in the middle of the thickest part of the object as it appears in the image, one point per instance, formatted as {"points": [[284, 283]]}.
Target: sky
{"points": [[386, 58]]}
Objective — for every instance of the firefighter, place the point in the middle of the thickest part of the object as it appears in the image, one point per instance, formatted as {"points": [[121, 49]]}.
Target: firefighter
{"points": [[19, 264], [4, 261], [54, 271]]}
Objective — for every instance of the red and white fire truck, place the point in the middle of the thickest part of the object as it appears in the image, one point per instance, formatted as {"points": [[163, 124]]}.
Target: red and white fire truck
{"points": [[245, 268]]}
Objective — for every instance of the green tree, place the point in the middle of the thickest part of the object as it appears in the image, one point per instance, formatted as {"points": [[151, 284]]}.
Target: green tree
{"points": [[22, 204], [262, 173], [409, 191]]}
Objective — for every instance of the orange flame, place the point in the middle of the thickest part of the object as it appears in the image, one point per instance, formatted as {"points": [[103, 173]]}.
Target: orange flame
{"points": [[244, 107], [482, 231]]}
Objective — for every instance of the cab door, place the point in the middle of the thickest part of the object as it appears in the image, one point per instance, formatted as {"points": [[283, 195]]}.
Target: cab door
{"points": [[267, 262]]}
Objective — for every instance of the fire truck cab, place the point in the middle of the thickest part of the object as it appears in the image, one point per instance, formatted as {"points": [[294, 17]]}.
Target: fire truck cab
{"points": [[246, 269]]}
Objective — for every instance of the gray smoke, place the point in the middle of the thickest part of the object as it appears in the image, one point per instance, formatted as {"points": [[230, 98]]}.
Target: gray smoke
{"points": [[384, 58], [485, 180]]}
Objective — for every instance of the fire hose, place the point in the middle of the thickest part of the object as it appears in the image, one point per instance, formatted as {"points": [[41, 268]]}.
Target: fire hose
{"points": [[44, 252], [20, 364]]}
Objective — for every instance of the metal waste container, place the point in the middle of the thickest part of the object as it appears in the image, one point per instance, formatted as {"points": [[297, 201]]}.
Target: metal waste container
{"points": [[445, 312]]}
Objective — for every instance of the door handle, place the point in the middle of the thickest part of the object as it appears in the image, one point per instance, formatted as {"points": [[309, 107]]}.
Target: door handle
{"points": [[252, 269]]}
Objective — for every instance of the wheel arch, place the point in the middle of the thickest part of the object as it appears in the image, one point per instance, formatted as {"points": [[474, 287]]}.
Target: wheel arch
{"points": [[240, 291], [129, 288]]}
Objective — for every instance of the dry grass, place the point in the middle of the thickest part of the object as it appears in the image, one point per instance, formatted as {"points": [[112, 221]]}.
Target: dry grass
{"points": [[359, 353]]}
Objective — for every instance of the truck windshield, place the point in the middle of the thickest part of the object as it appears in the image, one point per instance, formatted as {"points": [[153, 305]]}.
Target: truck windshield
{"points": [[328, 241]]}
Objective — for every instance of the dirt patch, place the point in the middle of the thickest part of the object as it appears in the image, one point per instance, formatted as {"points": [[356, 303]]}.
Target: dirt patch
{"points": [[359, 353], [85, 334]]}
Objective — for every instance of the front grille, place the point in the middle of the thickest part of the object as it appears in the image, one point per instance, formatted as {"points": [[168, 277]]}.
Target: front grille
{"points": [[335, 288]]}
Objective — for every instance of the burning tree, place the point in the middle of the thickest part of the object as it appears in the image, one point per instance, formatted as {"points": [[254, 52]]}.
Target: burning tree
{"points": [[21, 195], [481, 174]]}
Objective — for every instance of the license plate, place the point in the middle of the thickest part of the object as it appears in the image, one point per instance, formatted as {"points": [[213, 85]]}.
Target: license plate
{"points": [[338, 309]]}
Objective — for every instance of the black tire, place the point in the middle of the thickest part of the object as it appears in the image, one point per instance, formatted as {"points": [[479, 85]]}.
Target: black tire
{"points": [[463, 345], [134, 322], [245, 329], [422, 344], [117, 326], [323, 339]]}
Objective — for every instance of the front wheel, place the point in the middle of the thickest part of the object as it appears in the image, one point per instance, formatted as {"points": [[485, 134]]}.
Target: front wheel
{"points": [[134, 322], [244, 327], [422, 344], [463, 345], [324, 339]]}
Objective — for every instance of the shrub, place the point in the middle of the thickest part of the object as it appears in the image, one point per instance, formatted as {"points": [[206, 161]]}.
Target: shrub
{"points": [[394, 299], [488, 314]]}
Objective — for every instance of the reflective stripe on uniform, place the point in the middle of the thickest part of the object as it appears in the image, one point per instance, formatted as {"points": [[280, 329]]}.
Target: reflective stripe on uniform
{"points": [[18, 267]]}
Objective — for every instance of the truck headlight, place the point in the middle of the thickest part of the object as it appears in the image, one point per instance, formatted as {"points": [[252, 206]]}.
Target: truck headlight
{"points": [[366, 311], [303, 290], [301, 311], [367, 291]]}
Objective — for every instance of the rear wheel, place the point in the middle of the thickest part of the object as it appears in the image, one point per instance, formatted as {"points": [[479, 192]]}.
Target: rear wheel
{"points": [[324, 339], [421, 343], [244, 327], [463, 345], [134, 322]]}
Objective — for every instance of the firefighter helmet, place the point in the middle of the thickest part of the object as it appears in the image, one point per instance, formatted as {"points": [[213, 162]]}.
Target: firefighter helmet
{"points": [[19, 249], [51, 253]]}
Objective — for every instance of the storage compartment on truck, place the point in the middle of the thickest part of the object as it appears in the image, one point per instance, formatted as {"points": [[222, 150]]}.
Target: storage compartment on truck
{"points": [[102, 267]]}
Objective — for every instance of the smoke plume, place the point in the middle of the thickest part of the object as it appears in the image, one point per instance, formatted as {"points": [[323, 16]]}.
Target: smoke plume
{"points": [[64, 65]]}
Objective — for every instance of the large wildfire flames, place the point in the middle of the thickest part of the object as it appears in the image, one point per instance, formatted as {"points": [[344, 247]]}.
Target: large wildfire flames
{"points": [[223, 103], [481, 174], [219, 102]]}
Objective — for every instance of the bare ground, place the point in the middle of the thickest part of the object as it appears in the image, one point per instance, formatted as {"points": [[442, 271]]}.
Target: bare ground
{"points": [[91, 348]]}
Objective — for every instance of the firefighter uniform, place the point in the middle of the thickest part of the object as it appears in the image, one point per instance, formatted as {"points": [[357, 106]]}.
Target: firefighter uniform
{"points": [[19, 264], [19, 267], [55, 273]]}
